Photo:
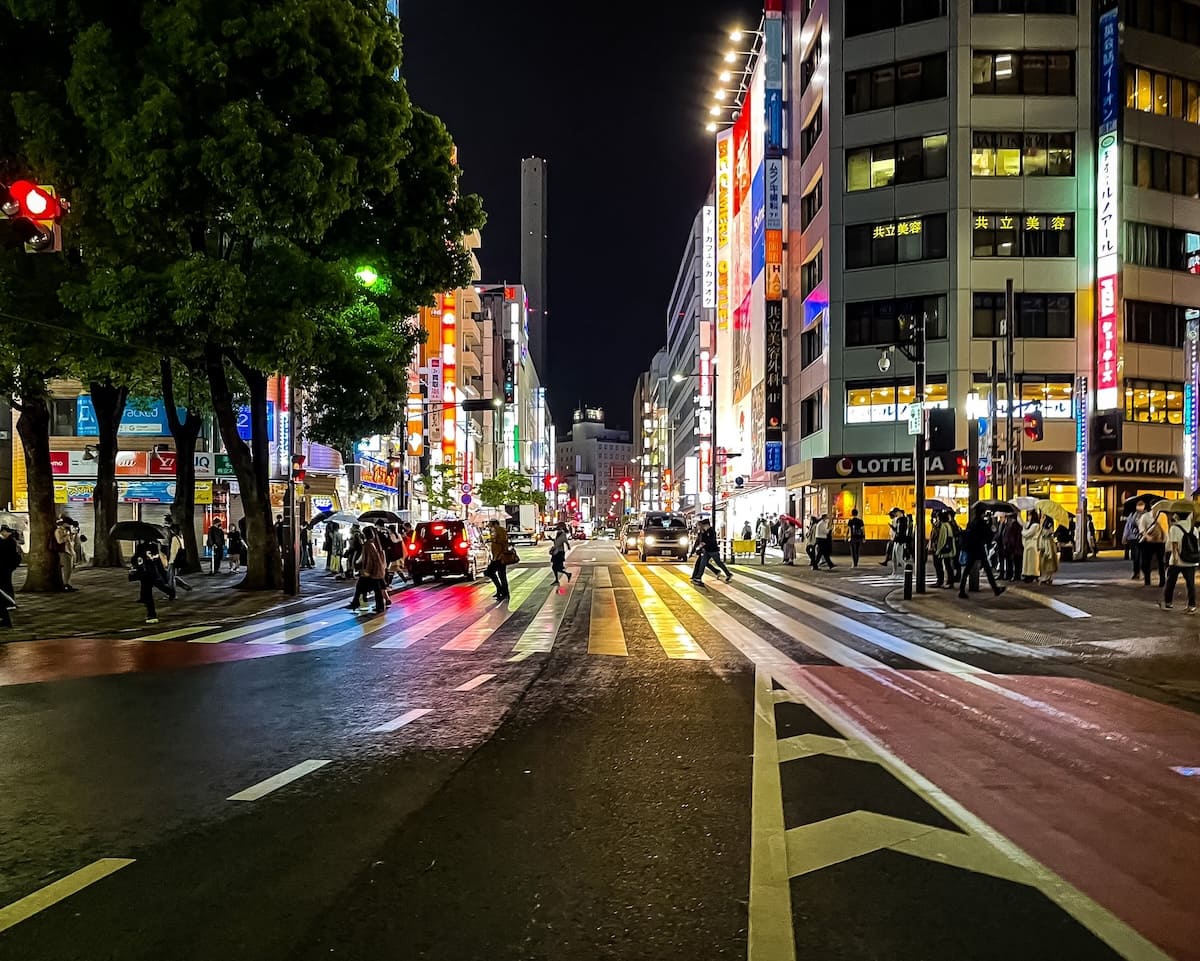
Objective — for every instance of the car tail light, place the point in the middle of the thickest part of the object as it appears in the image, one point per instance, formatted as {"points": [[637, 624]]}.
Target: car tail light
{"points": [[438, 528], [414, 547], [460, 547]]}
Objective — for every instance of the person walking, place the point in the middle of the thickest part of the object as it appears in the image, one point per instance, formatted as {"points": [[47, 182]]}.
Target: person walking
{"points": [[763, 534], [787, 541], [306, 547], [497, 570], [1153, 548], [1093, 545], [1184, 557], [824, 543], [333, 536], [216, 545], [747, 532], [856, 534], [236, 546], [1012, 549], [353, 553], [1048, 550], [974, 551], [176, 558], [150, 574], [10, 560], [327, 546], [371, 573], [708, 553], [810, 542], [1031, 554], [900, 534], [1133, 537], [558, 553], [945, 550]]}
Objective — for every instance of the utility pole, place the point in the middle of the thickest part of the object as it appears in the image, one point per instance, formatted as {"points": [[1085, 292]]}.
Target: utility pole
{"points": [[919, 452], [1010, 462]]}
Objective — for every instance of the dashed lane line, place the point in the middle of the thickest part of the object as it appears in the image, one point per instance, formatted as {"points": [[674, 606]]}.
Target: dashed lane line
{"points": [[1061, 607], [59, 890], [276, 781], [398, 722], [476, 681]]}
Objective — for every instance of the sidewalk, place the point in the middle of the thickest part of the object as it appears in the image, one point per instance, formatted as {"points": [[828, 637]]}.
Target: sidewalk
{"points": [[106, 604]]}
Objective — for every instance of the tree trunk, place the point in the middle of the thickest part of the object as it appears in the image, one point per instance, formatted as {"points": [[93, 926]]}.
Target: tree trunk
{"points": [[185, 432], [109, 404], [264, 570], [33, 426]]}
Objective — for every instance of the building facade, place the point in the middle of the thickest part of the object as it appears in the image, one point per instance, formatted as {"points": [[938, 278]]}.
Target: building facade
{"points": [[535, 255], [601, 455], [653, 473], [938, 150]]}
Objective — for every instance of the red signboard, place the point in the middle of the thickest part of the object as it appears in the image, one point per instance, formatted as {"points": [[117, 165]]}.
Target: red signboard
{"points": [[162, 463]]}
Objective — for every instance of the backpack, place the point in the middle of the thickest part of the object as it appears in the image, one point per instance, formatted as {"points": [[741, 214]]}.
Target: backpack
{"points": [[1189, 547]]}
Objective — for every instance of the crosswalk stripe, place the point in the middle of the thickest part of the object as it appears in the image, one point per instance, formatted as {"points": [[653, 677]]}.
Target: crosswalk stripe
{"points": [[474, 682], [849, 603], [605, 634], [398, 722], [178, 632], [674, 637], [602, 577], [274, 623], [890, 642], [289, 634], [836, 651], [428, 620], [471, 638], [538, 637]]}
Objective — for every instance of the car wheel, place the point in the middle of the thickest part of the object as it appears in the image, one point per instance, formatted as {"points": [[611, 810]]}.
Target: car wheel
{"points": [[416, 579]]}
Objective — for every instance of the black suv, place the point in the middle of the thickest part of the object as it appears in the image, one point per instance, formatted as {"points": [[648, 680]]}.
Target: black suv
{"points": [[663, 533], [439, 548]]}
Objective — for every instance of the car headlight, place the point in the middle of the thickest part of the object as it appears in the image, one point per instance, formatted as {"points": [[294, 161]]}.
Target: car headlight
{"points": [[683, 540], [651, 541], [631, 541]]}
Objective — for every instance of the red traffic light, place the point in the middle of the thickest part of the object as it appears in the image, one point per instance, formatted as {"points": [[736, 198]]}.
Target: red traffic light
{"points": [[963, 465], [298, 471], [1034, 426], [33, 202]]}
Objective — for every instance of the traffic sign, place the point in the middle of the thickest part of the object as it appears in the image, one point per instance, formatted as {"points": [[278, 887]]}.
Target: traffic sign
{"points": [[916, 415], [466, 489], [466, 498]]}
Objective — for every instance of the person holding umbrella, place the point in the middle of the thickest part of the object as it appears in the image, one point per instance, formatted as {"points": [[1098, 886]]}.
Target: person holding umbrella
{"points": [[10, 560], [150, 573]]}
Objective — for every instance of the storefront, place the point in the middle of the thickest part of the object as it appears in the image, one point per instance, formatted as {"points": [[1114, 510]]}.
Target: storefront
{"points": [[1120, 477], [748, 503]]}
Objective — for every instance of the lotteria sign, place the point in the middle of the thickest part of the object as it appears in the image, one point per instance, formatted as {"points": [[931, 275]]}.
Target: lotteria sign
{"points": [[1108, 219], [1138, 465], [883, 465]]}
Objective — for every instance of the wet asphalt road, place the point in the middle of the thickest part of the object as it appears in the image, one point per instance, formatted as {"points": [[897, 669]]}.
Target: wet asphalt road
{"points": [[629, 769]]}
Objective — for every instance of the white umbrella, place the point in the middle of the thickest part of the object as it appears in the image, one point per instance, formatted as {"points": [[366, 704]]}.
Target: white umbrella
{"points": [[15, 521], [1024, 503]]}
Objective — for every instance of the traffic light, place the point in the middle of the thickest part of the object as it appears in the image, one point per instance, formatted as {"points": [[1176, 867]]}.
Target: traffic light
{"points": [[1035, 428], [941, 429], [35, 212], [963, 465], [298, 471]]}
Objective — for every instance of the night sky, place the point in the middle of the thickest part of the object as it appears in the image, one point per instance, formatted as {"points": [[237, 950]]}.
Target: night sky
{"points": [[614, 96]]}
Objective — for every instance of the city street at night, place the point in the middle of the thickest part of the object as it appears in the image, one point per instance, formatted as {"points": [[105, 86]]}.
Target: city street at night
{"points": [[628, 766]]}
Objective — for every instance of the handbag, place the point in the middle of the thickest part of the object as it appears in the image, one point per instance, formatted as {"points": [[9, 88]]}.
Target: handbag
{"points": [[510, 556], [962, 558]]}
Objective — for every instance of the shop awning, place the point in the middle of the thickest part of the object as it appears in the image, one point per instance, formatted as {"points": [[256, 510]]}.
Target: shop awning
{"points": [[320, 484]]}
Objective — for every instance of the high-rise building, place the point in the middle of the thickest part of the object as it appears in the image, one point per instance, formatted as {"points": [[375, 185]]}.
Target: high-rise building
{"points": [[603, 455], [653, 473], [937, 150], [535, 234]]}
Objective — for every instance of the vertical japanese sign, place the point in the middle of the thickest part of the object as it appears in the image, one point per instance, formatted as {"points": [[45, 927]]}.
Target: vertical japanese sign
{"points": [[773, 376], [284, 433], [704, 430], [724, 222], [773, 174], [1108, 212], [708, 265], [435, 395], [1081, 456], [1191, 450], [415, 428], [449, 372], [773, 76], [742, 211]]}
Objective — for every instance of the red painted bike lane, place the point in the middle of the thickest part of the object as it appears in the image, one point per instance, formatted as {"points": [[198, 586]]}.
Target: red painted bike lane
{"points": [[1076, 774]]}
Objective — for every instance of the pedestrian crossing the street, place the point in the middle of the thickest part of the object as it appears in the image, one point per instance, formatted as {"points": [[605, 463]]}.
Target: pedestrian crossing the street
{"points": [[615, 612]]}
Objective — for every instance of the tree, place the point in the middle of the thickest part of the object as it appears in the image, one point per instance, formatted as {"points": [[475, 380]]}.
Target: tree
{"points": [[441, 487], [255, 152], [510, 487]]}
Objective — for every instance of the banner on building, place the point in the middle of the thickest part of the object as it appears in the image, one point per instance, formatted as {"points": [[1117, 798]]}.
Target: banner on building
{"points": [[773, 372], [724, 223]]}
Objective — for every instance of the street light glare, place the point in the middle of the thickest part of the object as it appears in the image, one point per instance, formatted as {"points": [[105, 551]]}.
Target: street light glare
{"points": [[715, 111], [710, 127], [367, 276], [725, 76], [730, 57], [678, 378], [735, 35]]}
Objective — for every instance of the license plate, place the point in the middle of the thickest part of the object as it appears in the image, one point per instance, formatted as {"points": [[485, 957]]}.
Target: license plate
{"points": [[439, 556]]}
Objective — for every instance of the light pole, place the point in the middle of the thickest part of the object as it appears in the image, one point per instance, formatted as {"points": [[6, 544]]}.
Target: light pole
{"points": [[911, 343]]}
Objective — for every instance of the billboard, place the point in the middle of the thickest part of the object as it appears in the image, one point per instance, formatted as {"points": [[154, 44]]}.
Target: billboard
{"points": [[773, 81], [449, 373], [1108, 212], [708, 254], [724, 224]]}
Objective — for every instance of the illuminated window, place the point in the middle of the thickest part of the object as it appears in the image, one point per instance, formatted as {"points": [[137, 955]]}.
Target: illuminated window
{"points": [[1153, 402], [1010, 154], [905, 161], [1150, 91], [1050, 393], [1031, 73], [887, 401], [1023, 235]]}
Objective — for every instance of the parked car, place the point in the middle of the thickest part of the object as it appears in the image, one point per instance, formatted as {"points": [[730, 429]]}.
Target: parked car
{"points": [[664, 534], [445, 548], [578, 534]]}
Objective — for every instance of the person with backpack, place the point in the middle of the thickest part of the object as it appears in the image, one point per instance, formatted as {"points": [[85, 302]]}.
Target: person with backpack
{"points": [[1133, 537], [1184, 551], [1153, 549], [856, 534], [10, 560]]}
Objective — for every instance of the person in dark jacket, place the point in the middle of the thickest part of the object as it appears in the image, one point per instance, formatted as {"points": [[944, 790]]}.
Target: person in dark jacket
{"points": [[10, 560], [150, 573], [216, 544], [708, 552], [1011, 548], [975, 540]]}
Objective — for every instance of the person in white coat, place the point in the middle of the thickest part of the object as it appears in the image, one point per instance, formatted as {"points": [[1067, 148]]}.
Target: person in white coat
{"points": [[1048, 548], [1031, 534]]}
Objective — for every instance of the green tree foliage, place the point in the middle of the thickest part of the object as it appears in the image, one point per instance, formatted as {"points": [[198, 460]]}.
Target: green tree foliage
{"points": [[510, 487], [239, 159], [441, 487]]}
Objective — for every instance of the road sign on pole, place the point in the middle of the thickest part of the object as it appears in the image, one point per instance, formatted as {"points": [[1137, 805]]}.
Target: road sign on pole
{"points": [[466, 498]]}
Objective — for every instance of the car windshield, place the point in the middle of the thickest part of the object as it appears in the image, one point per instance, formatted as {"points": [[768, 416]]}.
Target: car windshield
{"points": [[665, 524], [438, 533]]}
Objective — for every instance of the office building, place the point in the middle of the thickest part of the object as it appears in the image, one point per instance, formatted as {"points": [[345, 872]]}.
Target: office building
{"points": [[535, 240]]}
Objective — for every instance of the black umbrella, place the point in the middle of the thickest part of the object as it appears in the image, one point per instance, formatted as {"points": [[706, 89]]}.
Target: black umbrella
{"points": [[136, 531], [1150, 499], [996, 507], [388, 517]]}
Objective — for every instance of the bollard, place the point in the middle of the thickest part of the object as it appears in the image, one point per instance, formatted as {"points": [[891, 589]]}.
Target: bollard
{"points": [[908, 581]]}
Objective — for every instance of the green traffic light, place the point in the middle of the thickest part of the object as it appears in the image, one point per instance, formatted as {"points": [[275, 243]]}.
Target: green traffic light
{"points": [[366, 276]]}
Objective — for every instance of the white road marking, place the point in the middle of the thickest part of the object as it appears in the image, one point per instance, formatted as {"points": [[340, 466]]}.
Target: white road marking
{"points": [[849, 603], [179, 632], [605, 634], [256, 626], [1055, 605], [472, 637], [538, 637], [275, 782], [674, 638], [398, 722], [522, 656], [299, 631], [59, 890], [475, 682]]}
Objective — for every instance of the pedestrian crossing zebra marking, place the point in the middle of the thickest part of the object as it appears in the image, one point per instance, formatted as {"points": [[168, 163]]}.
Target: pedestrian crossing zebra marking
{"points": [[841, 600], [672, 636], [605, 634], [539, 636], [473, 637]]}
